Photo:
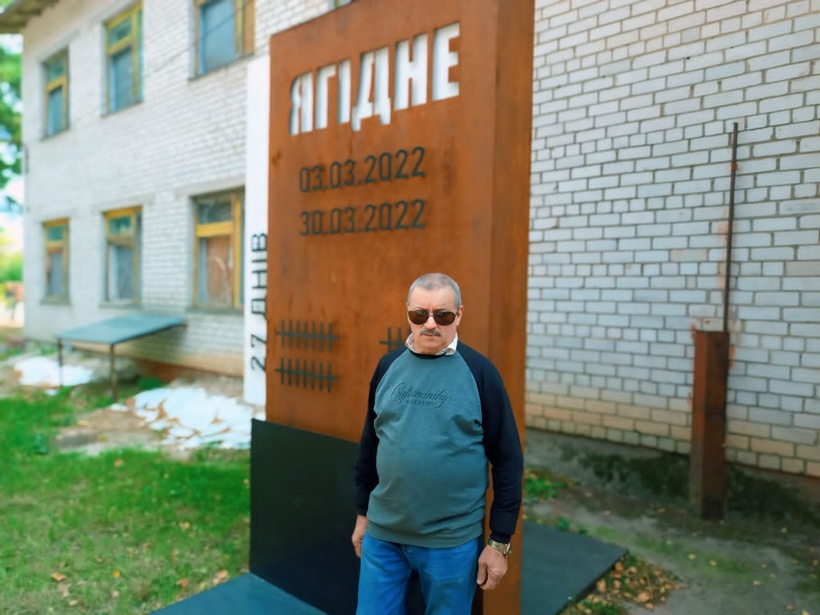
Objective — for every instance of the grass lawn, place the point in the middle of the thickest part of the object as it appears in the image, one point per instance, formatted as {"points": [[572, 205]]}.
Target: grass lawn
{"points": [[126, 532]]}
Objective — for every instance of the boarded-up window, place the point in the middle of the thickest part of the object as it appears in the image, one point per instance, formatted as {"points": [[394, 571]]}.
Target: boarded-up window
{"points": [[218, 250], [56, 240]]}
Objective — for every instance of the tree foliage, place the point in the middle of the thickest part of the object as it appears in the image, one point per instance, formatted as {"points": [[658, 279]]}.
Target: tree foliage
{"points": [[10, 112], [11, 261]]}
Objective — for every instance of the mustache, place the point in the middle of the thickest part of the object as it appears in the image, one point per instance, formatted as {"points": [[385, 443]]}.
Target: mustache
{"points": [[432, 332]]}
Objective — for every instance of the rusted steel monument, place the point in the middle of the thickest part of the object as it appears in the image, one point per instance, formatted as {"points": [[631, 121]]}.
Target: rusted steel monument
{"points": [[399, 144]]}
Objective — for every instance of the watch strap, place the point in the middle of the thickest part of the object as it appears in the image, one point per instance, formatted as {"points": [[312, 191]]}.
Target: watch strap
{"points": [[505, 548]]}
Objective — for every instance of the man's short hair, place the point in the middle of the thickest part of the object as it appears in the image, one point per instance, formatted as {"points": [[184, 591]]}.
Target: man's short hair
{"points": [[435, 281]]}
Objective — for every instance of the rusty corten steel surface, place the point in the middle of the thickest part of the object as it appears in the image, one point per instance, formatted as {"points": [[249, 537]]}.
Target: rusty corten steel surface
{"points": [[707, 462], [435, 180]]}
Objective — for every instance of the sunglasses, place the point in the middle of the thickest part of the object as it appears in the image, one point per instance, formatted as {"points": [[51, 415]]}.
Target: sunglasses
{"points": [[442, 317]]}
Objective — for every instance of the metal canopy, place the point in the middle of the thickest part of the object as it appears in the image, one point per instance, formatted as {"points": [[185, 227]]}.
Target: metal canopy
{"points": [[121, 328], [113, 331], [16, 15]]}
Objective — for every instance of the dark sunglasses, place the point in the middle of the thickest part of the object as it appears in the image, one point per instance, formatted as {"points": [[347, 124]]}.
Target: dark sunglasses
{"points": [[442, 317]]}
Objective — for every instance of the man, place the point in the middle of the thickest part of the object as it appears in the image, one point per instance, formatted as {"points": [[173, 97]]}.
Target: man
{"points": [[437, 412]]}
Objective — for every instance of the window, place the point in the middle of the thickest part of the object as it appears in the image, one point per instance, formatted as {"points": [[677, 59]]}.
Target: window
{"points": [[56, 94], [224, 32], [123, 50], [56, 236], [218, 250], [122, 255]]}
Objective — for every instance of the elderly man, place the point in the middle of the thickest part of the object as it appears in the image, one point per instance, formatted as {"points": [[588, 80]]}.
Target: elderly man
{"points": [[437, 412]]}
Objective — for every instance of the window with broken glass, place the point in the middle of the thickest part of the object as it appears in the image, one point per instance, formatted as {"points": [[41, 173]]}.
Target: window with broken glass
{"points": [[223, 32], [122, 255], [56, 93], [123, 49]]}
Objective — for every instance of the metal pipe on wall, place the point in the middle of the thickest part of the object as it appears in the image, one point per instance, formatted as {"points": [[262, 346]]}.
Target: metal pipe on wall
{"points": [[730, 230], [707, 458]]}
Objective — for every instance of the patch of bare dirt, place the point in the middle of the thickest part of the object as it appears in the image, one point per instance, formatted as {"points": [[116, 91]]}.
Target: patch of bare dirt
{"points": [[107, 428]]}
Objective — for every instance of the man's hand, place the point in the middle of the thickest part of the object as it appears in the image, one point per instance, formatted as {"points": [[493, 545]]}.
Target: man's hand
{"points": [[358, 534], [492, 566]]}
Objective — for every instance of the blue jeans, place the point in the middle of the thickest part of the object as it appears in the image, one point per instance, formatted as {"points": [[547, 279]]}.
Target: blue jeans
{"points": [[447, 577]]}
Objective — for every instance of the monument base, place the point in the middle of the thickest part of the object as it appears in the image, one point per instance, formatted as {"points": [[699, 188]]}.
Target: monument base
{"points": [[302, 562]]}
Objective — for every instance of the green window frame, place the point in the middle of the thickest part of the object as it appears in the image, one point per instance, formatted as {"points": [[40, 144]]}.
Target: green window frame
{"points": [[122, 255], [55, 234], [218, 245], [223, 32], [55, 100], [123, 52]]}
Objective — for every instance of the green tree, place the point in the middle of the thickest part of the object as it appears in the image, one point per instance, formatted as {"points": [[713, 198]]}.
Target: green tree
{"points": [[11, 261], [10, 110]]}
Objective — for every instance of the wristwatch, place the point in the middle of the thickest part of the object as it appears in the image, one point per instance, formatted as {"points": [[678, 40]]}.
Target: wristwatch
{"points": [[505, 548]]}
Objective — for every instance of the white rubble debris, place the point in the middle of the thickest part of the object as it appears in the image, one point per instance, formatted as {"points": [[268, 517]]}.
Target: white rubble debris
{"points": [[190, 417]]}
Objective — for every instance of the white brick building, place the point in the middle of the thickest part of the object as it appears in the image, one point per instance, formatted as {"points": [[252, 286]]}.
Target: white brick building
{"points": [[184, 139], [634, 105]]}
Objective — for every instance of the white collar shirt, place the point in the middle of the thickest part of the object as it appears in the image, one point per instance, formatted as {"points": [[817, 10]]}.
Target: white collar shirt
{"points": [[449, 349]]}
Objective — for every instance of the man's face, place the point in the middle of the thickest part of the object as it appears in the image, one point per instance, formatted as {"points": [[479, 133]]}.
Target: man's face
{"points": [[430, 337]]}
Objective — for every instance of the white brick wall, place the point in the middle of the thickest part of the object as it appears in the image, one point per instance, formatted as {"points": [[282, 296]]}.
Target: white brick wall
{"points": [[185, 138], [633, 104]]}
